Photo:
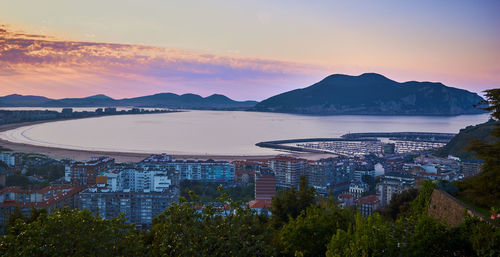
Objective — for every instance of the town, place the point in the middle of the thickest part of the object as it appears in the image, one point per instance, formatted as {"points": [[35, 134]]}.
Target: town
{"points": [[18, 116], [142, 190]]}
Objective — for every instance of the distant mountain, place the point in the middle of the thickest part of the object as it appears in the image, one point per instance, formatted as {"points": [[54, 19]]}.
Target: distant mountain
{"points": [[186, 101], [91, 101], [22, 101], [458, 144], [163, 100], [372, 93]]}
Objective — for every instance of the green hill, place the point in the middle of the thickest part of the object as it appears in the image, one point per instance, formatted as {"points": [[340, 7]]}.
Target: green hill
{"points": [[458, 144]]}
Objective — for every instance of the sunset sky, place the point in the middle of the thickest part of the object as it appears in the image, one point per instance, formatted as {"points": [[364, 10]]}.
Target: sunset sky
{"points": [[243, 49]]}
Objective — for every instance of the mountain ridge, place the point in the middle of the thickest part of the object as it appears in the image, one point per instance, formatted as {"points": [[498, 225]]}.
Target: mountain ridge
{"points": [[373, 94], [160, 100]]}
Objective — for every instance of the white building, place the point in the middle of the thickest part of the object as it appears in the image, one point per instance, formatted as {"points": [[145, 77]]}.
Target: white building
{"points": [[11, 159], [358, 189], [138, 180], [160, 182]]}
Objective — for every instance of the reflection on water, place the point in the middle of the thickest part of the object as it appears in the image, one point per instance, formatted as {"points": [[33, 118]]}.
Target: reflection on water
{"points": [[218, 132]]}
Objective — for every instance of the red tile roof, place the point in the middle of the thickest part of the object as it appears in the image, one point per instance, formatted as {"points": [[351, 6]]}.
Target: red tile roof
{"points": [[370, 199], [53, 199], [12, 189], [343, 196], [260, 204]]}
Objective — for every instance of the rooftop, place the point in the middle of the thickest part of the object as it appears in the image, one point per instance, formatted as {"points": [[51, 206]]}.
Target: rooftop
{"points": [[260, 204]]}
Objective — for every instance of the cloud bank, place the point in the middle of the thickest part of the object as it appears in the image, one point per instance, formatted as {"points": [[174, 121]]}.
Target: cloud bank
{"points": [[43, 65]]}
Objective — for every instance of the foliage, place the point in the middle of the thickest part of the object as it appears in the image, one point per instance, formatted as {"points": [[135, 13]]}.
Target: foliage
{"points": [[483, 238], [483, 189], [370, 180], [17, 180], [400, 204], [421, 203], [458, 145], [215, 230], [3, 165], [207, 192], [417, 235], [71, 233], [17, 214], [447, 186], [317, 222], [289, 203], [493, 102], [49, 171], [228, 228], [427, 237], [371, 236]]}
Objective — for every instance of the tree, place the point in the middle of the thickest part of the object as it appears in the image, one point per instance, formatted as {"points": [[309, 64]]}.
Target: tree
{"points": [[224, 228], [482, 238], [311, 231], [18, 180], [400, 204], [71, 233], [483, 188], [17, 215], [427, 237], [290, 203], [421, 203], [370, 180], [370, 236]]}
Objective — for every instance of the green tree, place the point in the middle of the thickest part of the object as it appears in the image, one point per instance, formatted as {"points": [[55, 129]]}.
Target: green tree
{"points": [[483, 189], [208, 192], [289, 203], [218, 229], [370, 236], [17, 180], [311, 231], [481, 237], [427, 237], [71, 233], [421, 203], [400, 204]]}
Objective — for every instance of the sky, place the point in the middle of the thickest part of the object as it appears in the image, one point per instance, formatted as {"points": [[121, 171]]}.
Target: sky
{"points": [[243, 49]]}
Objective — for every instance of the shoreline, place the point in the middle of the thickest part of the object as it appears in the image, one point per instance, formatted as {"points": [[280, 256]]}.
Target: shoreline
{"points": [[80, 155]]}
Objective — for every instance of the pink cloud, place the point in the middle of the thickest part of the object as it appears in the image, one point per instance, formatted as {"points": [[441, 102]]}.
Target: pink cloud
{"points": [[37, 64]]}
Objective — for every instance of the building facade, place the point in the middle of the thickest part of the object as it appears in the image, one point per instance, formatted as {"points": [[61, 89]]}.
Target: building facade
{"points": [[288, 170], [11, 159], [357, 189], [393, 183], [265, 186], [140, 194], [368, 204], [49, 198], [325, 174], [138, 207], [85, 173], [195, 170]]}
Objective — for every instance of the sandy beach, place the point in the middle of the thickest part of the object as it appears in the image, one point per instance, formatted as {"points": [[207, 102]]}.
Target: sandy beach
{"points": [[79, 155]]}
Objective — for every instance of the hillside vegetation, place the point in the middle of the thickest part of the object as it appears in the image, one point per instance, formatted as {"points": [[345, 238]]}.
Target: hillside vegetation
{"points": [[299, 227], [458, 146]]}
